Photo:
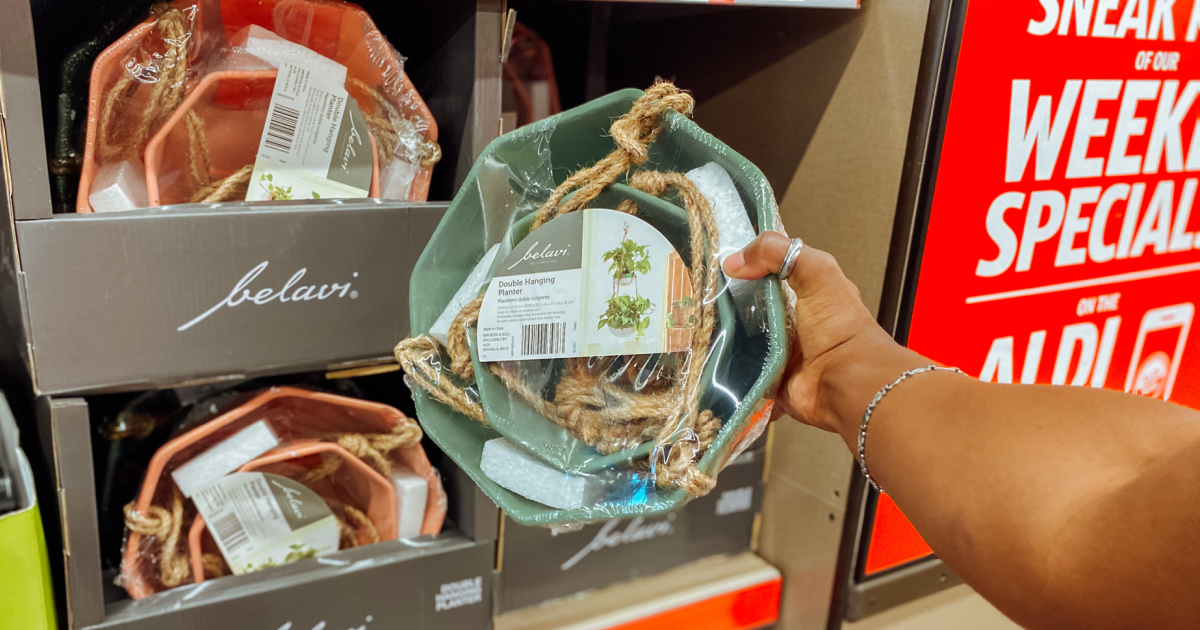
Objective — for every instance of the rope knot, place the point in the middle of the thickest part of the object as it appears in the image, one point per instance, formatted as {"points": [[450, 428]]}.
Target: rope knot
{"points": [[165, 526], [155, 521], [634, 132]]}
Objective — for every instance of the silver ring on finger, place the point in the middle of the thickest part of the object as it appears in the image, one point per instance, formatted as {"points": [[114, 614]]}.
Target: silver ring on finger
{"points": [[789, 259]]}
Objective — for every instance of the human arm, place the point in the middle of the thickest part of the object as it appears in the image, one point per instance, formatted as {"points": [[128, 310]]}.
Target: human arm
{"points": [[1066, 507]]}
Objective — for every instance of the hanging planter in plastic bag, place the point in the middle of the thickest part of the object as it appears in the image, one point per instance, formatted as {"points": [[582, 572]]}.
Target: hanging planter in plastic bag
{"points": [[573, 418], [352, 458], [177, 108], [368, 510]]}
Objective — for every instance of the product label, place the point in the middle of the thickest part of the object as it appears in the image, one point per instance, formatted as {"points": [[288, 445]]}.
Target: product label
{"points": [[315, 143], [586, 284], [262, 520]]}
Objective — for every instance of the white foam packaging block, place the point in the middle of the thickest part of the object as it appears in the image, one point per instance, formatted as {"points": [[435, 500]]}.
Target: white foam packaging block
{"points": [[512, 468], [395, 181], [412, 494], [467, 292], [119, 186], [734, 228], [224, 458], [733, 224]]}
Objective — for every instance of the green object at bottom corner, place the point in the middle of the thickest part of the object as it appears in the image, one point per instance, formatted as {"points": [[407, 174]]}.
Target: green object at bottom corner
{"points": [[26, 591]]}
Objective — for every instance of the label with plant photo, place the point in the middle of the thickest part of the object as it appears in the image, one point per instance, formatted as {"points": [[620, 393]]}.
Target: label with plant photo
{"points": [[586, 284], [262, 520], [315, 143]]}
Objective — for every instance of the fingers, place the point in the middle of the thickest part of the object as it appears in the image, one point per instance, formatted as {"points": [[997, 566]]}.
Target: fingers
{"points": [[762, 257]]}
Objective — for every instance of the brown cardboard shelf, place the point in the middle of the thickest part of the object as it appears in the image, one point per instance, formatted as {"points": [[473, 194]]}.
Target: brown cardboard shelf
{"points": [[196, 293], [737, 592], [537, 566], [433, 581], [155, 298], [439, 583]]}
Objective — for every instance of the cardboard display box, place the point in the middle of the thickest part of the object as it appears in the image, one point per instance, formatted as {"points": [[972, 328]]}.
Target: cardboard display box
{"points": [[536, 565], [161, 297], [192, 293], [739, 592], [423, 584], [442, 581]]}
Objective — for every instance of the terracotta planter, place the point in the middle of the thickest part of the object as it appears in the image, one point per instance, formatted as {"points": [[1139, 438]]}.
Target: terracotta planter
{"points": [[337, 30], [228, 103], [354, 483], [296, 416]]}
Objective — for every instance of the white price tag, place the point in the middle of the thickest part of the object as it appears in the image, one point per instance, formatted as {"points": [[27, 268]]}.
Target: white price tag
{"points": [[315, 143], [588, 284], [262, 520]]}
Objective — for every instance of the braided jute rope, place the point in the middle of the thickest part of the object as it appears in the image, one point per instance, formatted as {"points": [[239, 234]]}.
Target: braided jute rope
{"points": [[587, 401], [394, 134], [173, 27], [163, 525], [166, 526]]}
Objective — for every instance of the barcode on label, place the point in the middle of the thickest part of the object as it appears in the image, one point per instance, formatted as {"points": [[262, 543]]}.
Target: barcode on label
{"points": [[543, 339], [282, 128], [229, 530]]}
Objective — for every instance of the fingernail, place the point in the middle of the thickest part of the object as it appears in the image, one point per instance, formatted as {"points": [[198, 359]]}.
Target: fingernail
{"points": [[734, 262]]}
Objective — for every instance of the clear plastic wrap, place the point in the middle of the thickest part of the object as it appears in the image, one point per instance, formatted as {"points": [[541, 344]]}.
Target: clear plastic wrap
{"points": [[179, 106], [599, 433], [362, 460], [530, 90]]}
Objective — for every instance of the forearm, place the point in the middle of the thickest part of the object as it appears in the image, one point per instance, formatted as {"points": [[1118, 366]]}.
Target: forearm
{"points": [[1066, 507], [1010, 484]]}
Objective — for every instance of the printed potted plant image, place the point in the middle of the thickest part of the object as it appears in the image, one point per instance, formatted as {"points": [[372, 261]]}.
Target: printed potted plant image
{"points": [[299, 551], [275, 192], [627, 261], [626, 315], [683, 313]]}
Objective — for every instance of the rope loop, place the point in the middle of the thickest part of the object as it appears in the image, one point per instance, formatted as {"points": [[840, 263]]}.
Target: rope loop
{"points": [[635, 132]]}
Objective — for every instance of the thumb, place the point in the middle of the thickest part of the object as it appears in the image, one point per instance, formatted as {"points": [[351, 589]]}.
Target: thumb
{"points": [[762, 257]]}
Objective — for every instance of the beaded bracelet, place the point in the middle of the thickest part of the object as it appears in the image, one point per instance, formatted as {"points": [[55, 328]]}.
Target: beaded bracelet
{"points": [[862, 432]]}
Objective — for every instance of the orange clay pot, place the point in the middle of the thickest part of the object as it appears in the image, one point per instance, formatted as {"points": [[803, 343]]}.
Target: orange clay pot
{"points": [[228, 102], [294, 415], [354, 483], [338, 30]]}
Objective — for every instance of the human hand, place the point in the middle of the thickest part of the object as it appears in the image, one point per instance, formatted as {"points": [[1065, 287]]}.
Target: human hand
{"points": [[835, 331]]}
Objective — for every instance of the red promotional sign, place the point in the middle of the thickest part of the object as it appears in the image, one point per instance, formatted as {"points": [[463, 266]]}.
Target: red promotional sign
{"points": [[1062, 246]]}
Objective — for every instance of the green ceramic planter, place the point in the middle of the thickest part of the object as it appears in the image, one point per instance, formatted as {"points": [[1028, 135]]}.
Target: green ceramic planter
{"points": [[750, 363], [516, 421]]}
